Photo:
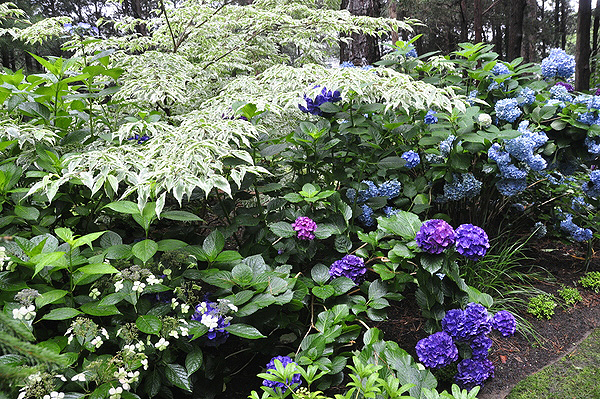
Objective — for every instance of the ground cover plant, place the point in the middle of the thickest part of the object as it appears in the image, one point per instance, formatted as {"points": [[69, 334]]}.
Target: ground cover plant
{"points": [[176, 210]]}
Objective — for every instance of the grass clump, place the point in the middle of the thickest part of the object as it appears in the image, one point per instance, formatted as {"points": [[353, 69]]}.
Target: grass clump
{"points": [[574, 376], [570, 295], [542, 306], [591, 280]]}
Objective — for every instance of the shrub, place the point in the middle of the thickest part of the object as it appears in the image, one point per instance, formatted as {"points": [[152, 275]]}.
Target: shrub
{"points": [[542, 306]]}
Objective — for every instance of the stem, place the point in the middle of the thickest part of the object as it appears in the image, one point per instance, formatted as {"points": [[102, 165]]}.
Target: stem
{"points": [[227, 218], [164, 11], [312, 319]]}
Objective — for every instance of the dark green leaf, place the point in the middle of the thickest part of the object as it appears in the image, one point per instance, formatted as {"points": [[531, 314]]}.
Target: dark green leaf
{"points": [[283, 229], [144, 250], [323, 292], [49, 297], [61, 314], [244, 331], [320, 274], [432, 263], [193, 361], [181, 216], [149, 324], [178, 376]]}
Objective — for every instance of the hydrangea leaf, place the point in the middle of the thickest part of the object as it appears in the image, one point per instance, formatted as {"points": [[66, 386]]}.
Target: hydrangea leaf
{"points": [[283, 229], [61, 314], [149, 324], [432, 263], [144, 250], [404, 224], [320, 274], [193, 361], [244, 331], [178, 376]]}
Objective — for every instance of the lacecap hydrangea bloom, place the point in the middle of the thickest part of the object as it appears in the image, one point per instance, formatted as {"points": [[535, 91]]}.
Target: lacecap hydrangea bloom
{"points": [[305, 227], [435, 236], [504, 322], [213, 316], [471, 241], [280, 386], [507, 109], [430, 117], [350, 266], [312, 106], [436, 351], [412, 159], [558, 64]]}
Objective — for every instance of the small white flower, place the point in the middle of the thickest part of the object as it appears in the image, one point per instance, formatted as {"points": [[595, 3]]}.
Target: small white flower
{"points": [[126, 386], [61, 377], [138, 286], [145, 363], [78, 377], [151, 280], [55, 395], [174, 303], [129, 348], [210, 321], [94, 293], [140, 346], [174, 334], [121, 374], [118, 285], [115, 393], [185, 308], [104, 332], [22, 393], [162, 344], [232, 307], [184, 331], [69, 339], [97, 341]]}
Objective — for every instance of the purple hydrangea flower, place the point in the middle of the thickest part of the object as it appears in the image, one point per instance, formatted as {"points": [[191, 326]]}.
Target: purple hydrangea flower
{"points": [[435, 236], [280, 386], [312, 106], [473, 372], [567, 86], [437, 350], [453, 323], [480, 346], [471, 241], [139, 139], [412, 159], [210, 314], [504, 322], [465, 325], [430, 117], [305, 227], [350, 266]]}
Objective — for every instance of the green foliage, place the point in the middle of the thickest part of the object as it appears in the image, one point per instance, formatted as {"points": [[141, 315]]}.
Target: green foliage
{"points": [[591, 280], [542, 306], [570, 295]]}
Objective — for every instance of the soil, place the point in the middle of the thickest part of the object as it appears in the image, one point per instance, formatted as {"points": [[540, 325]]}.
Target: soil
{"points": [[517, 357]]}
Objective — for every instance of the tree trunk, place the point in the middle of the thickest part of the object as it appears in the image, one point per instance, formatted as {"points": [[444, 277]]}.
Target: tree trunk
{"points": [[563, 24], [582, 47], [556, 23], [515, 22], [363, 49], [464, 27], [478, 21], [529, 32], [393, 14]]}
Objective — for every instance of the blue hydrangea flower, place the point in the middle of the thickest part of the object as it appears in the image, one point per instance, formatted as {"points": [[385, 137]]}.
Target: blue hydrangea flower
{"points": [[560, 92], [390, 189], [280, 386], [500, 69], [472, 373], [558, 64], [412, 52], [511, 187], [446, 145], [370, 192], [581, 235], [589, 118], [366, 217], [593, 145], [508, 109], [347, 64], [312, 106], [592, 188], [526, 96], [480, 347], [594, 103], [567, 86], [504, 322], [463, 186], [412, 159], [471, 241], [435, 236], [389, 211], [140, 139], [430, 117], [350, 266], [437, 350], [214, 317], [472, 94]]}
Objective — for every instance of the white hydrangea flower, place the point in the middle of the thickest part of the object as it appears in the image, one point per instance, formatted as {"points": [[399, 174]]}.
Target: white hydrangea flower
{"points": [[151, 280], [97, 341], [140, 346], [104, 332], [61, 377], [162, 344], [115, 393], [144, 363], [232, 307], [119, 285], [55, 395], [79, 377], [94, 293], [24, 313], [174, 334], [185, 308], [121, 374], [174, 303], [209, 320], [484, 120], [129, 348], [138, 286], [184, 331]]}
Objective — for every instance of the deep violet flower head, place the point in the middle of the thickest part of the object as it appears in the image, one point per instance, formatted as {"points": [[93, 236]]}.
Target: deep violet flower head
{"points": [[480, 347], [213, 316], [305, 227], [280, 386], [566, 85], [437, 350], [435, 236], [430, 117], [350, 266], [312, 106], [504, 322], [412, 159], [472, 373], [139, 139], [471, 241], [464, 325]]}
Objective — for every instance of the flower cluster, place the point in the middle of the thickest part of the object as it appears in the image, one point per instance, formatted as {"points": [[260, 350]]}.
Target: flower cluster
{"points": [[471, 241], [567, 86], [435, 236], [508, 109], [445, 145], [468, 329], [463, 186], [4, 258], [390, 189], [139, 139], [350, 266], [326, 96], [526, 96], [412, 159], [558, 64], [412, 52], [430, 117], [592, 188], [280, 386], [498, 70], [560, 92], [593, 145], [305, 227], [577, 233], [81, 29], [214, 316], [485, 120]]}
